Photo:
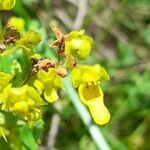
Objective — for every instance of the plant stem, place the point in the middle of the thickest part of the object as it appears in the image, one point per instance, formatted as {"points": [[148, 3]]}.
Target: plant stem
{"points": [[115, 16], [94, 130], [9, 52]]}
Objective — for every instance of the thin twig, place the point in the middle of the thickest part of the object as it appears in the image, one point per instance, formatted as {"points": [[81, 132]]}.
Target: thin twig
{"points": [[141, 67], [62, 15], [74, 2], [114, 18], [53, 131], [115, 31], [82, 10]]}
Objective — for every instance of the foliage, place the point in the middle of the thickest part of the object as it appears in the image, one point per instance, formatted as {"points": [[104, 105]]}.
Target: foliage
{"points": [[120, 30]]}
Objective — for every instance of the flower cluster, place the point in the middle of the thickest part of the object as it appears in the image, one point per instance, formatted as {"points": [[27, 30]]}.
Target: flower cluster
{"points": [[46, 75], [22, 101]]}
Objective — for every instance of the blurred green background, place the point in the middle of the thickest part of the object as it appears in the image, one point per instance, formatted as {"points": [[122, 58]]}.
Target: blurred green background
{"points": [[121, 31]]}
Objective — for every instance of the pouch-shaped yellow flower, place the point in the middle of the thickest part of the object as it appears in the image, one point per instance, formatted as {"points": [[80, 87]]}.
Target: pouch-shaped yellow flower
{"points": [[78, 44], [92, 96], [87, 79]]}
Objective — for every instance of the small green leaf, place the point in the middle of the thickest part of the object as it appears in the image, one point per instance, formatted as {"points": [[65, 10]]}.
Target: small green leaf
{"points": [[37, 129], [5, 64], [27, 138]]}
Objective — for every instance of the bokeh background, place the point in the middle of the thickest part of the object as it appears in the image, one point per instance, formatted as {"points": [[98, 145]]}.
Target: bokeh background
{"points": [[121, 31]]}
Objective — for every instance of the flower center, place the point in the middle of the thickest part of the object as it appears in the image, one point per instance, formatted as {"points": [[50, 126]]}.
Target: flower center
{"points": [[90, 91]]}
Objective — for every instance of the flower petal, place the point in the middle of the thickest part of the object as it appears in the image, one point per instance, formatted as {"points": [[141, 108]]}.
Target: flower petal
{"points": [[92, 96], [51, 96]]}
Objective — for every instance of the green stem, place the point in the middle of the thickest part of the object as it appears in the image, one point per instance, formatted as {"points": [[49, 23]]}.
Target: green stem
{"points": [[9, 52], [94, 130]]}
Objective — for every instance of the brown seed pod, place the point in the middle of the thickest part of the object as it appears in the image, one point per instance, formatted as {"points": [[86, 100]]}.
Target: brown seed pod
{"points": [[62, 72]]}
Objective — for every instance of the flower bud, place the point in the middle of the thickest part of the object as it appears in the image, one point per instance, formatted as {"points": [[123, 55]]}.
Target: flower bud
{"points": [[78, 44], [62, 72], [18, 23], [7, 4]]}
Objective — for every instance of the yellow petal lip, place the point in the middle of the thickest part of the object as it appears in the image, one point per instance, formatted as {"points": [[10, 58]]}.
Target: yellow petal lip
{"points": [[51, 96], [99, 111], [93, 98]]}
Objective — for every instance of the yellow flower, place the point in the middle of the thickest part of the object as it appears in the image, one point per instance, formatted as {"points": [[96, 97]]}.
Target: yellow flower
{"points": [[17, 22], [22, 100], [4, 80], [87, 78], [78, 44], [7, 4], [28, 40], [85, 74], [92, 96], [48, 82], [20, 108]]}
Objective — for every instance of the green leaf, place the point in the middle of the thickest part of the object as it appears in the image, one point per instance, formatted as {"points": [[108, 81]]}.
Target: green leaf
{"points": [[37, 129], [5, 64], [10, 119], [27, 138], [25, 64]]}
